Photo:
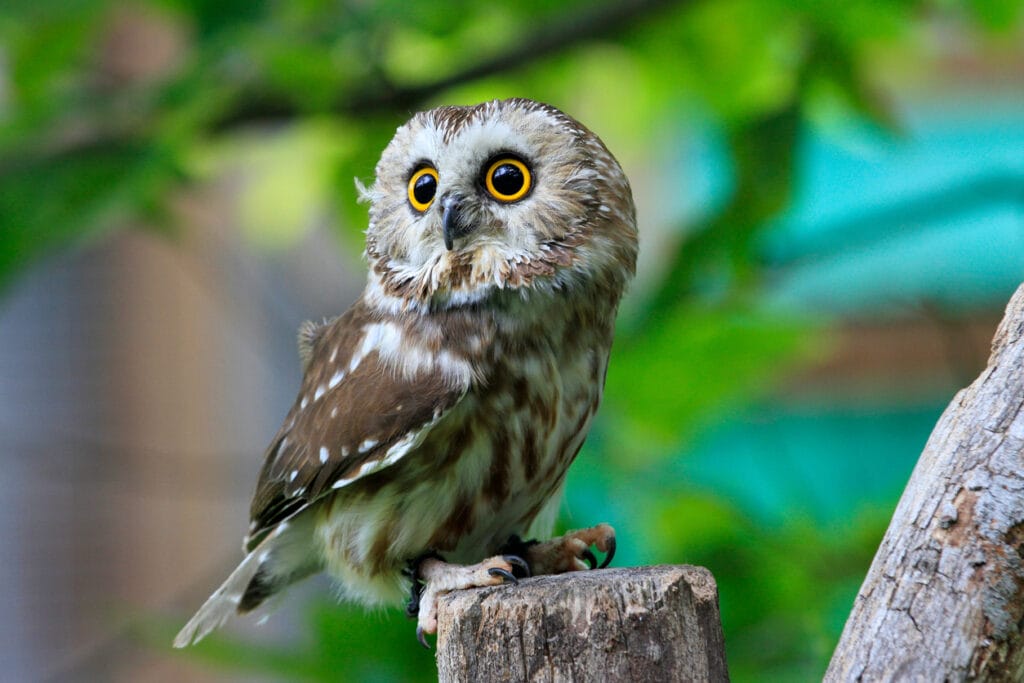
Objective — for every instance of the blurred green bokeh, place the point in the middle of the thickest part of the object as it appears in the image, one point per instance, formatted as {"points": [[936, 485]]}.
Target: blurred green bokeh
{"points": [[727, 110]]}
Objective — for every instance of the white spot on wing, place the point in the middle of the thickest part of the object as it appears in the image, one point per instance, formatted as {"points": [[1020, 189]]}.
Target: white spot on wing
{"points": [[394, 453], [396, 350], [398, 449], [291, 477], [335, 379], [376, 337], [324, 454]]}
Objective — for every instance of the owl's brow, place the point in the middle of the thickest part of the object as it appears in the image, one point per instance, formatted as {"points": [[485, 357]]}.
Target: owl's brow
{"points": [[451, 120]]}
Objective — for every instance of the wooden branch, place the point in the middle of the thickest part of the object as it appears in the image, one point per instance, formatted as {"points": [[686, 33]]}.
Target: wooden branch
{"points": [[944, 598], [636, 624]]}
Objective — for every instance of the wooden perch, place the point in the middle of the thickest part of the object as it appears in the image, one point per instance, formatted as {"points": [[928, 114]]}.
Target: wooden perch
{"points": [[635, 624], [944, 597]]}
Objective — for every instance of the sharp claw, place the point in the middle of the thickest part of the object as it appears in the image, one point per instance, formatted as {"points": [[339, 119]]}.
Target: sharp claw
{"points": [[503, 573], [611, 552], [422, 637], [589, 557], [518, 563]]}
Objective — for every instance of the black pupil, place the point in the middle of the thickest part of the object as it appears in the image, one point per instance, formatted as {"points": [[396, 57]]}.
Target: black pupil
{"points": [[424, 188], [507, 179]]}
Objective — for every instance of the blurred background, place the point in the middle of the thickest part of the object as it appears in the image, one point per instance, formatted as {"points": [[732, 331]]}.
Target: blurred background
{"points": [[831, 200]]}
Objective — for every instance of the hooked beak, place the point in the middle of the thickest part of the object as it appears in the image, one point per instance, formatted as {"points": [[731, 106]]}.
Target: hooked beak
{"points": [[452, 220]]}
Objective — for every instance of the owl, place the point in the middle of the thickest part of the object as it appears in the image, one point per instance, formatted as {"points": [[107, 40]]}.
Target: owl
{"points": [[437, 416]]}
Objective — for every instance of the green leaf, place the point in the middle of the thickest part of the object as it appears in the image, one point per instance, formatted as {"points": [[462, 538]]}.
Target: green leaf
{"points": [[689, 363], [340, 643], [368, 141], [1000, 16], [717, 257], [46, 203]]}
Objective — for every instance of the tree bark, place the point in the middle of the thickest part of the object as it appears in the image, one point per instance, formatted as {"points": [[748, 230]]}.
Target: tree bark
{"points": [[944, 597], [636, 624]]}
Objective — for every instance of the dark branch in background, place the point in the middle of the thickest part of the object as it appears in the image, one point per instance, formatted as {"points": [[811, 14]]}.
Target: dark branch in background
{"points": [[556, 36]]}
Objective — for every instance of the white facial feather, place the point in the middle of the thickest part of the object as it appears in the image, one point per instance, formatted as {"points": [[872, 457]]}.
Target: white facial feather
{"points": [[573, 174]]}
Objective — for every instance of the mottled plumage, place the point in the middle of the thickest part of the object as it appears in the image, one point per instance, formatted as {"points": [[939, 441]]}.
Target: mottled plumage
{"points": [[441, 412]]}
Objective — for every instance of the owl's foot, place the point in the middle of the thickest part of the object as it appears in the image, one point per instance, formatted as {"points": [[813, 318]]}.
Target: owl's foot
{"points": [[435, 577], [570, 552]]}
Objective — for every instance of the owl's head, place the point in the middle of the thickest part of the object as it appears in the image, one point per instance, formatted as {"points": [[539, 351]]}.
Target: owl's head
{"points": [[508, 194]]}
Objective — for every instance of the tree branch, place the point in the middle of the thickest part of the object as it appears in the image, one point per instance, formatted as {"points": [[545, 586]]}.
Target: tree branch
{"points": [[614, 625], [944, 598]]}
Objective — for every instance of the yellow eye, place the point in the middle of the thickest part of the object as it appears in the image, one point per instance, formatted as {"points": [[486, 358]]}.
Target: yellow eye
{"points": [[508, 179], [422, 188]]}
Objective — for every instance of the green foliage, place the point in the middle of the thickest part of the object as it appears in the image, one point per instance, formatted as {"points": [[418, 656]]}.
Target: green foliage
{"points": [[43, 205], [780, 604], [691, 363], [339, 644], [244, 63]]}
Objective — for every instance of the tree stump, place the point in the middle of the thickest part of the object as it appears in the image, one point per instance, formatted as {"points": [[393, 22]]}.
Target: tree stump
{"points": [[944, 597], [636, 624]]}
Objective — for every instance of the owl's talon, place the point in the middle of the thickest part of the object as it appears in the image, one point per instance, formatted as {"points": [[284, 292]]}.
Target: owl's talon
{"points": [[518, 548], [506, 576], [610, 543], [422, 636], [520, 564], [439, 577], [572, 551]]}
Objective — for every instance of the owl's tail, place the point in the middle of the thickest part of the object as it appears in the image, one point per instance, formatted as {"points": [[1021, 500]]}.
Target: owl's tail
{"points": [[282, 558]]}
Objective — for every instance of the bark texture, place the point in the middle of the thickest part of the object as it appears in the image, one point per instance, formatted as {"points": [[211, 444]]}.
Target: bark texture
{"points": [[636, 624], [944, 598]]}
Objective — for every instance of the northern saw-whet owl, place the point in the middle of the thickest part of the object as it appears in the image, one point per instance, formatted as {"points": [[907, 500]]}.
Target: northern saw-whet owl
{"points": [[438, 415]]}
